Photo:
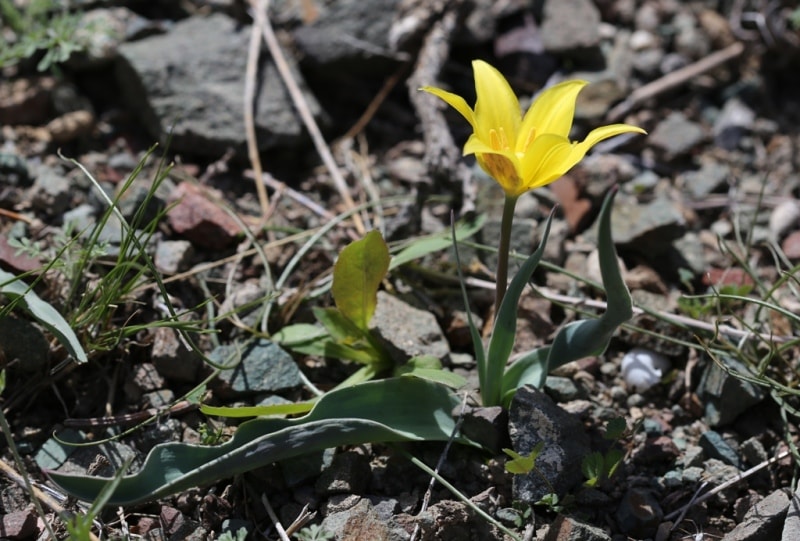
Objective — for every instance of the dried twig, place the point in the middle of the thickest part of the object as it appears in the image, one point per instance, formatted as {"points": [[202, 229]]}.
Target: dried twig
{"points": [[304, 111], [259, 6], [674, 79], [274, 518]]}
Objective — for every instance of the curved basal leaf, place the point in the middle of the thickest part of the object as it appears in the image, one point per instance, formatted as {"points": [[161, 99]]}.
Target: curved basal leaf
{"points": [[44, 314], [397, 409], [357, 274], [582, 338]]}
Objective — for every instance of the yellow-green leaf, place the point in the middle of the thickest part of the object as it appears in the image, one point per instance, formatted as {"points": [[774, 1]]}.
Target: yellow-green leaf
{"points": [[357, 275]]}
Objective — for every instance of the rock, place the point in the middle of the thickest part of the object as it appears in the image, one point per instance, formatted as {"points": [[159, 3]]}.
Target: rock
{"points": [[570, 26], [16, 262], [660, 449], [791, 246], [561, 389], [784, 217], [141, 193], [734, 120], [791, 528], [144, 378], [711, 176], [676, 135], [358, 522], [171, 358], [407, 331], [19, 525], [534, 418], [349, 35], [263, 367], [173, 256], [716, 447], [14, 174], [200, 220], [726, 397], [566, 528], [639, 513], [576, 208], [642, 368], [764, 520], [717, 473], [24, 345], [450, 520], [349, 473], [485, 425], [51, 191], [189, 91], [649, 227]]}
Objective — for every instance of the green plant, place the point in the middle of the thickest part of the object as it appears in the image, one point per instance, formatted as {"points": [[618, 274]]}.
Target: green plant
{"points": [[241, 535], [314, 532], [598, 467], [43, 25]]}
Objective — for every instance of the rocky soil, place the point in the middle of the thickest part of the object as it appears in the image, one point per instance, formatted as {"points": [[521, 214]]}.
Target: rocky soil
{"points": [[708, 202]]}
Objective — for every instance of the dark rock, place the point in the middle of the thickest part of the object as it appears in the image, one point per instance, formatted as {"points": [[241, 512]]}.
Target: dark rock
{"points": [[172, 358], [639, 513], [534, 418], [407, 331], [716, 447], [486, 425], [348, 473], [725, 396], [734, 121], [190, 91], [263, 367], [660, 449], [566, 528], [22, 343], [764, 520]]}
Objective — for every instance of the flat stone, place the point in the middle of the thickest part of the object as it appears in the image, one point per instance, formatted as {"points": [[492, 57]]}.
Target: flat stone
{"points": [[264, 367], [733, 122], [676, 135], [716, 447], [726, 397], [19, 525], [791, 528], [534, 418], [570, 26], [173, 256], [15, 261], [764, 520], [406, 331], [201, 221], [358, 522], [189, 92], [51, 191], [171, 358], [711, 176], [566, 528], [649, 227], [791, 246], [349, 473]]}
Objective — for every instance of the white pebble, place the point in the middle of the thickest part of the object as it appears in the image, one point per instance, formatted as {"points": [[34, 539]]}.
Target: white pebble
{"points": [[784, 217], [643, 368]]}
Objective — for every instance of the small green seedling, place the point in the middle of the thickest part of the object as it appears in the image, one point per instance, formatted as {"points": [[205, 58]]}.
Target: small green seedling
{"points": [[598, 467]]}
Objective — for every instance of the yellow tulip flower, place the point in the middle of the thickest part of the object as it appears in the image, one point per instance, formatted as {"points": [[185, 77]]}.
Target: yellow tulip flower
{"points": [[523, 153]]}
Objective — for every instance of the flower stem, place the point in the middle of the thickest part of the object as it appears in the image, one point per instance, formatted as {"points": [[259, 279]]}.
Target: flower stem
{"points": [[502, 253]]}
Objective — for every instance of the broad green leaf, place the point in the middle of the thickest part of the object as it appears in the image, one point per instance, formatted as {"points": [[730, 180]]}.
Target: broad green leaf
{"points": [[423, 246], [43, 313], [430, 368], [357, 274], [300, 333], [583, 338], [615, 428], [592, 467], [347, 341], [397, 409], [505, 326], [521, 465]]}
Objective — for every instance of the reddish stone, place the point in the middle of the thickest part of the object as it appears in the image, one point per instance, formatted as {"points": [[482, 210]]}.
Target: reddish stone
{"points": [[726, 277], [9, 259], [791, 246], [18, 525], [199, 219], [576, 209]]}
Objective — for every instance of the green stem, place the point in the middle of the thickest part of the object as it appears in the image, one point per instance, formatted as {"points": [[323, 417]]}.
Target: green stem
{"points": [[502, 253]]}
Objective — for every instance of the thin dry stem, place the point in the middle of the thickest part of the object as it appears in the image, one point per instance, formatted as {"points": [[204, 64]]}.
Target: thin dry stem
{"points": [[254, 48]]}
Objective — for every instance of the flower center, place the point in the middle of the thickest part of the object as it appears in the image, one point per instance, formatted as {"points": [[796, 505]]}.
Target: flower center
{"points": [[498, 139]]}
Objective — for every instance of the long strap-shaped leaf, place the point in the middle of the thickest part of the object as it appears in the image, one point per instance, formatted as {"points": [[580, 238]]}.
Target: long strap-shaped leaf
{"points": [[581, 338], [398, 409]]}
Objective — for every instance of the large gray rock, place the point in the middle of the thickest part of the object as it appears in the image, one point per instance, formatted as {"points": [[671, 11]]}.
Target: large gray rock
{"points": [[190, 83], [534, 418], [570, 26], [263, 367]]}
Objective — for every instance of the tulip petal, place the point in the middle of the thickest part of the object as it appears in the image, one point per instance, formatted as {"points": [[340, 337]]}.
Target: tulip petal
{"points": [[496, 107], [543, 160], [455, 101], [551, 112]]}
